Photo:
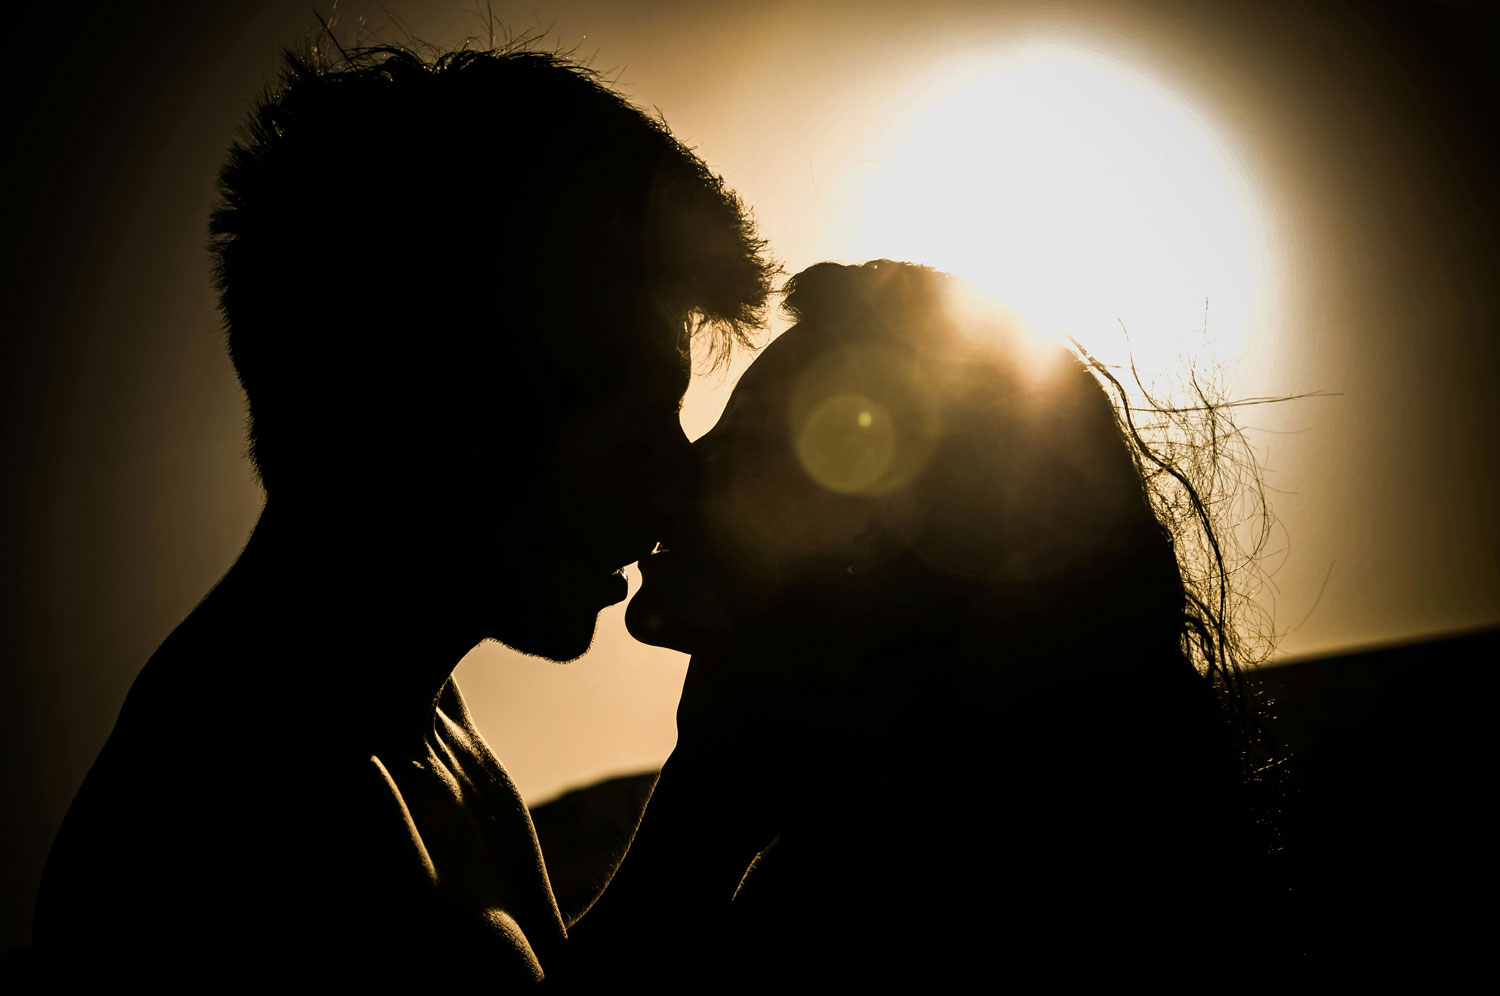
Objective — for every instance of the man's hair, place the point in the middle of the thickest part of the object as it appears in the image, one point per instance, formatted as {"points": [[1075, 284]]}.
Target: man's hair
{"points": [[374, 202]]}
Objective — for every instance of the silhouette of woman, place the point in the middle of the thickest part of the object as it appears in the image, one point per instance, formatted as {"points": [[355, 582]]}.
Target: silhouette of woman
{"points": [[944, 659]]}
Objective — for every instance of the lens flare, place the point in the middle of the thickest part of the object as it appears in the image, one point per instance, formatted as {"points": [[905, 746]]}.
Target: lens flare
{"points": [[862, 419], [847, 443]]}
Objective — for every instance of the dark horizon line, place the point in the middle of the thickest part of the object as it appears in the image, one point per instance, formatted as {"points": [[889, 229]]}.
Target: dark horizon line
{"points": [[1448, 639]]}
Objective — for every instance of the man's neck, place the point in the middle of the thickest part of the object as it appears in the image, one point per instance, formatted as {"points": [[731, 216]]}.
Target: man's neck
{"points": [[325, 624]]}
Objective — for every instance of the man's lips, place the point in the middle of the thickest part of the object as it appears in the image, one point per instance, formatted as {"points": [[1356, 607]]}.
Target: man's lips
{"points": [[622, 558], [619, 586], [614, 582]]}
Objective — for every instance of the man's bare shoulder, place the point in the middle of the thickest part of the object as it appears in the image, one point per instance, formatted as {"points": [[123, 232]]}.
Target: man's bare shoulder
{"points": [[415, 890], [267, 836]]}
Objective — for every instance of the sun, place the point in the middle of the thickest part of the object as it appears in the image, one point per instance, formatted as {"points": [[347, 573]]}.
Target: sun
{"points": [[1075, 190], [1087, 197]]}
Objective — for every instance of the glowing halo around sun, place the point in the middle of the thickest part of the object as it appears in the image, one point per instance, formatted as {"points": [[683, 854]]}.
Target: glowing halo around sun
{"points": [[1074, 190]]}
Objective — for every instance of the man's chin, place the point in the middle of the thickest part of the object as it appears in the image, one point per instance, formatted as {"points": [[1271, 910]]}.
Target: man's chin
{"points": [[557, 641], [556, 618]]}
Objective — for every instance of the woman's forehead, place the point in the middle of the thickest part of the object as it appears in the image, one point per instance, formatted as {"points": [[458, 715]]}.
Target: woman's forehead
{"points": [[780, 360]]}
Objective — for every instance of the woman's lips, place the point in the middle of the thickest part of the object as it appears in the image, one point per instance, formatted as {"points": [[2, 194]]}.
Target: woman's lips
{"points": [[676, 605], [674, 576], [661, 557]]}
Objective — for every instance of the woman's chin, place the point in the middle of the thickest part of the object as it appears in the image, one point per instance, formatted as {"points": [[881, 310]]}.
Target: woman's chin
{"points": [[672, 609], [649, 624]]}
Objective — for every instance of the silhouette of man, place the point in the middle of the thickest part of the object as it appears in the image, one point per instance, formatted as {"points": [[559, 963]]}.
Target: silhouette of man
{"points": [[458, 295]]}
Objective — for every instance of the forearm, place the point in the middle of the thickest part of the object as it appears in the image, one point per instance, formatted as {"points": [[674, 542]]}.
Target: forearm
{"points": [[666, 902]]}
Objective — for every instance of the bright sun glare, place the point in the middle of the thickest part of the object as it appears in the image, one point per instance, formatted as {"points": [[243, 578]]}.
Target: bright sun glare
{"points": [[1076, 191]]}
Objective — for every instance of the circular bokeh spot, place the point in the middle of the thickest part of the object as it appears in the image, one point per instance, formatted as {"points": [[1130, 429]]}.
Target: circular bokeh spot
{"points": [[847, 443]]}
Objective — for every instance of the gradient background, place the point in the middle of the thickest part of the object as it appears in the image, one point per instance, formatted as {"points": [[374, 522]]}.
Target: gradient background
{"points": [[1368, 130]]}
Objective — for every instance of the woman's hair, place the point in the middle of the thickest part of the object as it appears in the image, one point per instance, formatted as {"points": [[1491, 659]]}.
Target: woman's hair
{"points": [[1052, 662], [1102, 517]]}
